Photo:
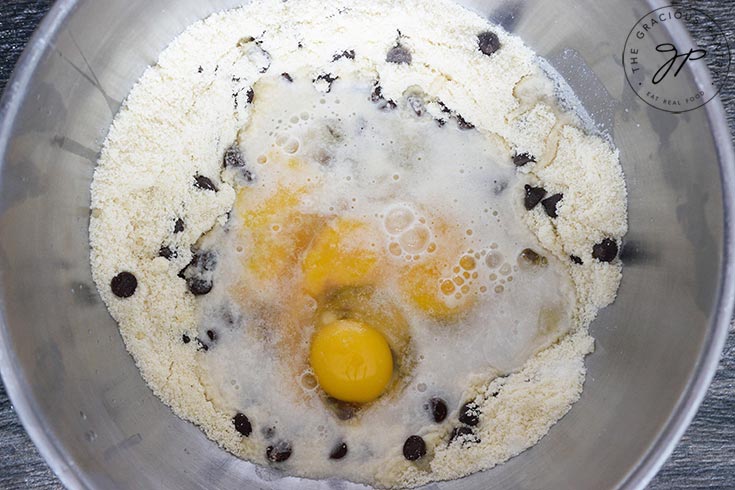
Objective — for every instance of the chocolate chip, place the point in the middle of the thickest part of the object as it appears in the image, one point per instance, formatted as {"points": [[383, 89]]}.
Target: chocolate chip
{"points": [[531, 257], [575, 259], [377, 97], [343, 410], [242, 424], [251, 95], [349, 54], [196, 273], [234, 158], [200, 69], [463, 124], [204, 261], [488, 42], [199, 287], [339, 451], [279, 452], [417, 104], [550, 203], [605, 251], [469, 414], [201, 345], [438, 409], [166, 253], [533, 196], [212, 335], [399, 55], [327, 77], [287, 76], [204, 183], [124, 284], [464, 432], [179, 225], [185, 339], [414, 448], [522, 159]]}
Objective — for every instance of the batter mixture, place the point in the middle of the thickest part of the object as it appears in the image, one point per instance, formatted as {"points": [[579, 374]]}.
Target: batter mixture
{"points": [[357, 239]]}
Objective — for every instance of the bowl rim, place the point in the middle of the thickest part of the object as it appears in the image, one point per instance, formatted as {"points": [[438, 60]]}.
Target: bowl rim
{"points": [[639, 475]]}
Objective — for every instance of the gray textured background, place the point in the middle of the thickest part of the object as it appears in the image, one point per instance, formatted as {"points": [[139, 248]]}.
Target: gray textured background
{"points": [[705, 458]]}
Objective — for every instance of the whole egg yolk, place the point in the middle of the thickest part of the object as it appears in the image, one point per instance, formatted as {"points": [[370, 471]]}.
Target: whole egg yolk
{"points": [[352, 361]]}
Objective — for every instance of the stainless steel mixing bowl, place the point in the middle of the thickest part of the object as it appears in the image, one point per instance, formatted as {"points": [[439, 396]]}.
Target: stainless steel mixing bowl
{"points": [[83, 401]]}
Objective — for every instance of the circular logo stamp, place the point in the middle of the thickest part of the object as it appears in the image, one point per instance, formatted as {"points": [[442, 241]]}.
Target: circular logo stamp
{"points": [[659, 56]]}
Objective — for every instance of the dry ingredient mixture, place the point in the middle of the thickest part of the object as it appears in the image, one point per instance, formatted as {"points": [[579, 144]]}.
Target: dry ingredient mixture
{"points": [[357, 240]]}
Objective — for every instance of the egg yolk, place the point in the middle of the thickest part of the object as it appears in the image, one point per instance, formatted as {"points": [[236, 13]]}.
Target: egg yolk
{"points": [[351, 360]]}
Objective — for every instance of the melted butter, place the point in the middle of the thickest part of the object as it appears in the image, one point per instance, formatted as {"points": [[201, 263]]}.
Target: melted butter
{"points": [[382, 217]]}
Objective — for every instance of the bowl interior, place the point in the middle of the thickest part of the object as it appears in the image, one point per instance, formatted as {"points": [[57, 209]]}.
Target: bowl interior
{"points": [[84, 401]]}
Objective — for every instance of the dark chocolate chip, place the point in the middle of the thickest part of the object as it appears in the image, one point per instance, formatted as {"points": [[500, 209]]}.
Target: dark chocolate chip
{"points": [[198, 286], [251, 95], [349, 54], [204, 260], [377, 97], [233, 157], [300, 45], [463, 124], [287, 76], [124, 284], [212, 335], [440, 122], [398, 54], [438, 408], [550, 203], [200, 69], [464, 432], [327, 77], [605, 251], [185, 339], [532, 257], [339, 451], [417, 104], [179, 225], [377, 94], [166, 253], [522, 159], [575, 259], [488, 42], [242, 424], [533, 196], [279, 452], [469, 414], [204, 183], [343, 410], [414, 448], [201, 345]]}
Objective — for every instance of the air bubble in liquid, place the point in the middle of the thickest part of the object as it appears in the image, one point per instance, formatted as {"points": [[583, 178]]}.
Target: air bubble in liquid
{"points": [[493, 259], [398, 219], [291, 146]]}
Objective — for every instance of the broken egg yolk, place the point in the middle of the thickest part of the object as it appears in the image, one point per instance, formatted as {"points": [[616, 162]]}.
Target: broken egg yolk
{"points": [[352, 361]]}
